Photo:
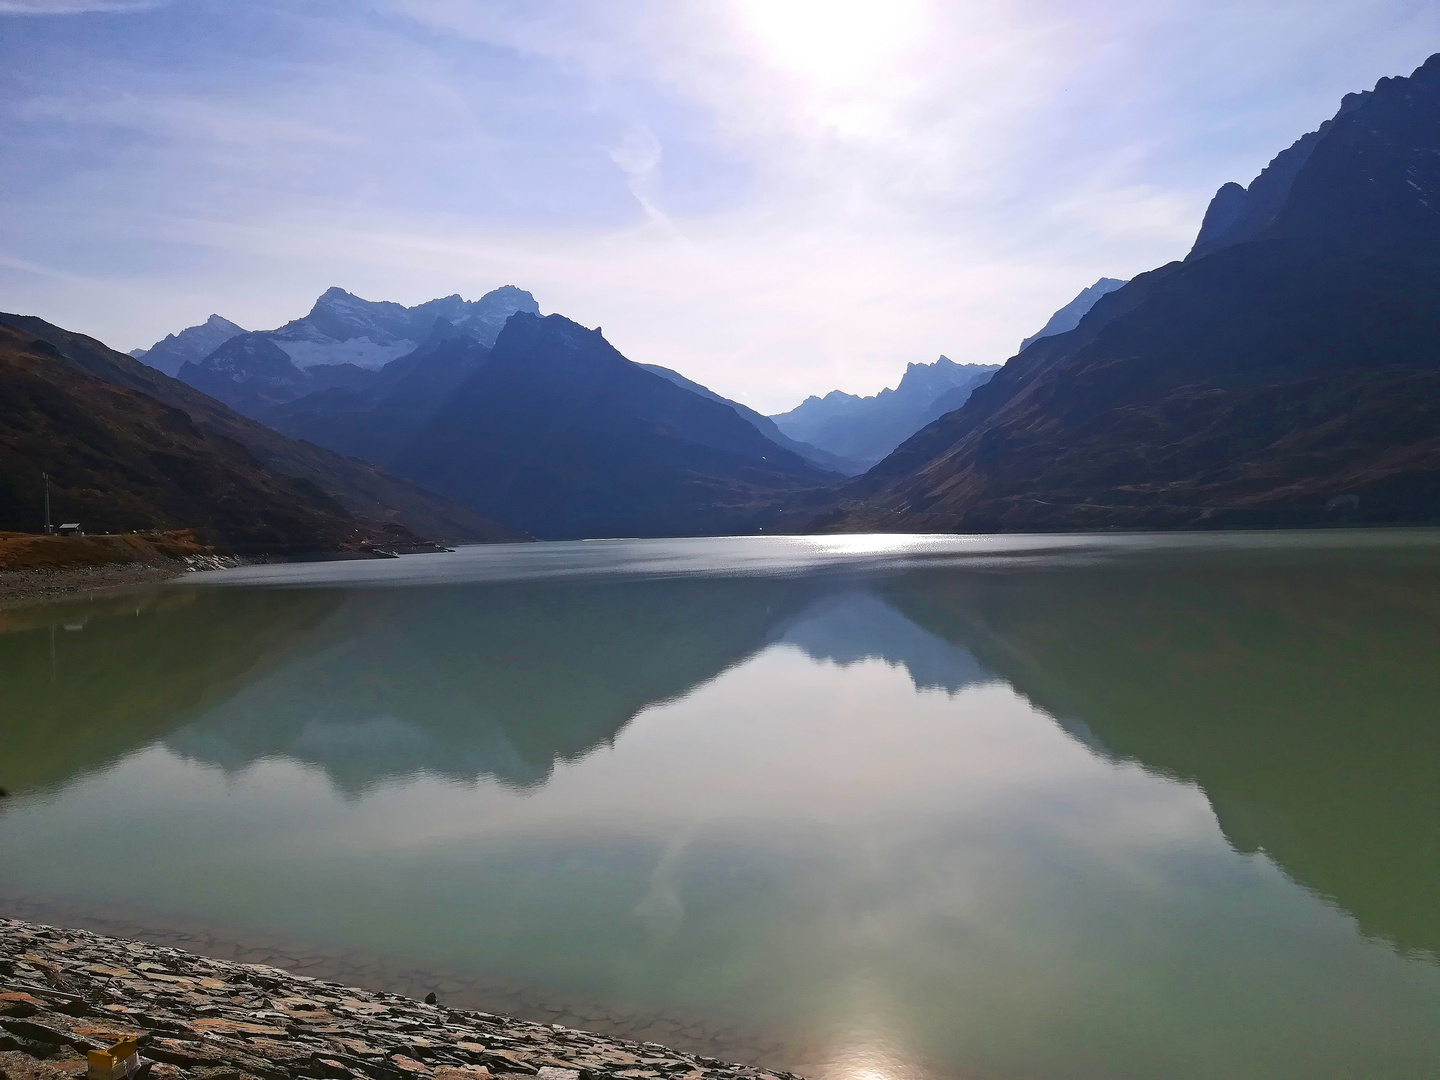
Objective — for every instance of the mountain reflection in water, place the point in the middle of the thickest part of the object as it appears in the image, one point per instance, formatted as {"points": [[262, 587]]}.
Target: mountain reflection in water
{"points": [[507, 679], [1299, 692], [84, 683], [501, 680], [1291, 681]]}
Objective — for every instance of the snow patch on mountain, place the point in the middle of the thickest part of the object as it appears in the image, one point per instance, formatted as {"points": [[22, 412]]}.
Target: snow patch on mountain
{"points": [[360, 351]]}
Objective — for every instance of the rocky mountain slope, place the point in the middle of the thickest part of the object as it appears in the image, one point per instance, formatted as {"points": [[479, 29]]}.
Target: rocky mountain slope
{"points": [[129, 410], [763, 424], [560, 435], [120, 460], [424, 413], [343, 342], [377, 418], [1287, 372], [342, 328], [1069, 316], [864, 429], [194, 343]]}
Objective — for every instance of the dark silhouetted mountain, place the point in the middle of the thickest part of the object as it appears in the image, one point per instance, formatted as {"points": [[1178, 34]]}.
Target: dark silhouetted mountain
{"points": [[120, 460], [250, 373], [764, 425], [865, 429], [1288, 372], [560, 435], [1069, 316], [376, 419], [192, 343], [1297, 689], [376, 500]]}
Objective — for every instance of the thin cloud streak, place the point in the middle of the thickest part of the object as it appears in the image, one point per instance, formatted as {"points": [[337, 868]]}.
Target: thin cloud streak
{"points": [[774, 214], [76, 7]]}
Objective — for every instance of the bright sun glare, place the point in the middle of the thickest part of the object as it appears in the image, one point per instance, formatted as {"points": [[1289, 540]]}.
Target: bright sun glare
{"points": [[837, 43]]}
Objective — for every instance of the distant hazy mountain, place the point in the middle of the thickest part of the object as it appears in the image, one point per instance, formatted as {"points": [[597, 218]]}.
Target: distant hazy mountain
{"points": [[765, 425], [1286, 373], [865, 429], [560, 435], [852, 625], [1069, 316], [341, 343], [191, 344]]}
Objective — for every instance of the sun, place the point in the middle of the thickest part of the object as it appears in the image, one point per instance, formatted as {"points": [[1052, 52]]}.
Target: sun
{"points": [[835, 43]]}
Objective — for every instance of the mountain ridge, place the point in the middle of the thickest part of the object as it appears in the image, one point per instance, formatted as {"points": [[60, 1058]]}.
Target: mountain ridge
{"points": [[562, 435], [865, 429], [343, 341], [364, 490], [1286, 374], [192, 343]]}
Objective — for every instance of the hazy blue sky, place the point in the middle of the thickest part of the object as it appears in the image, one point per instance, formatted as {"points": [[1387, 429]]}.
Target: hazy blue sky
{"points": [[775, 197]]}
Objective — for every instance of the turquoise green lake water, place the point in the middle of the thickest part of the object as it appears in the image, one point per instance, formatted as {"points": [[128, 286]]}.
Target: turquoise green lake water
{"points": [[875, 808]]}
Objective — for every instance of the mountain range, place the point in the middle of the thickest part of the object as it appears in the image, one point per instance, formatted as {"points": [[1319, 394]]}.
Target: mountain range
{"points": [[858, 432], [560, 434], [541, 422], [344, 341], [127, 447], [194, 343], [1287, 372], [863, 430], [1157, 668]]}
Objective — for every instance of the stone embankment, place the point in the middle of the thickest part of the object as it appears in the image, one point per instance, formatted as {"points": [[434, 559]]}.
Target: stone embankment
{"points": [[39, 569], [65, 992]]}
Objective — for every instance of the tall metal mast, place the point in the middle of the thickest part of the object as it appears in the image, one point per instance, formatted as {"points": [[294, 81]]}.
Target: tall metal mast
{"points": [[46, 475]]}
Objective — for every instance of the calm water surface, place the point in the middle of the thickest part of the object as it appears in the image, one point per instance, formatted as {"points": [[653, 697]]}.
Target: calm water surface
{"points": [[878, 808]]}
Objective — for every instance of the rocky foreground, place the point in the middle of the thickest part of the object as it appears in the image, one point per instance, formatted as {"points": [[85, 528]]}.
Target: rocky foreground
{"points": [[65, 992]]}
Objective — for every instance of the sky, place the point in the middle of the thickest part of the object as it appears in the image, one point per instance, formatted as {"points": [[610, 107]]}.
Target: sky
{"points": [[774, 197]]}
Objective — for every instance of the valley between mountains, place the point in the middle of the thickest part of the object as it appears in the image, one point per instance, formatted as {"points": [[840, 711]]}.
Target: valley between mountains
{"points": [[1285, 373]]}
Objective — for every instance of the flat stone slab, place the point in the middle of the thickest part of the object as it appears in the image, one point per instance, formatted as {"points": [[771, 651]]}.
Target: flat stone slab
{"points": [[63, 992]]}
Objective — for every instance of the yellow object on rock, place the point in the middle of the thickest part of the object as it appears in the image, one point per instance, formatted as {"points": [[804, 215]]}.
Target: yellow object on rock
{"points": [[119, 1062]]}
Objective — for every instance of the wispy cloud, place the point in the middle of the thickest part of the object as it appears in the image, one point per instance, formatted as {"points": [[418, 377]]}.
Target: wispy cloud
{"points": [[776, 197], [75, 7]]}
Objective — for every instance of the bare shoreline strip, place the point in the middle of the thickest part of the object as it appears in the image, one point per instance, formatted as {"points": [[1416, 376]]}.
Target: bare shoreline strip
{"points": [[64, 992], [22, 588]]}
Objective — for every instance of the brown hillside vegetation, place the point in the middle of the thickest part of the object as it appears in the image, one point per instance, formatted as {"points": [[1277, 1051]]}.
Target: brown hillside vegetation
{"points": [[388, 504], [28, 551], [120, 460]]}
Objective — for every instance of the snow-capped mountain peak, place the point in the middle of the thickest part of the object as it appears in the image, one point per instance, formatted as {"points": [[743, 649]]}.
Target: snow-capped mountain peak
{"points": [[192, 343]]}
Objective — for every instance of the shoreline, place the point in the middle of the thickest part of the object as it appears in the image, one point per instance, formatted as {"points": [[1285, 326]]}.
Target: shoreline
{"points": [[64, 992], [26, 588], [729, 1038]]}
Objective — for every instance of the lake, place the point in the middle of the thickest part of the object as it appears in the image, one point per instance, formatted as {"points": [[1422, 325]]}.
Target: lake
{"points": [[867, 807]]}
